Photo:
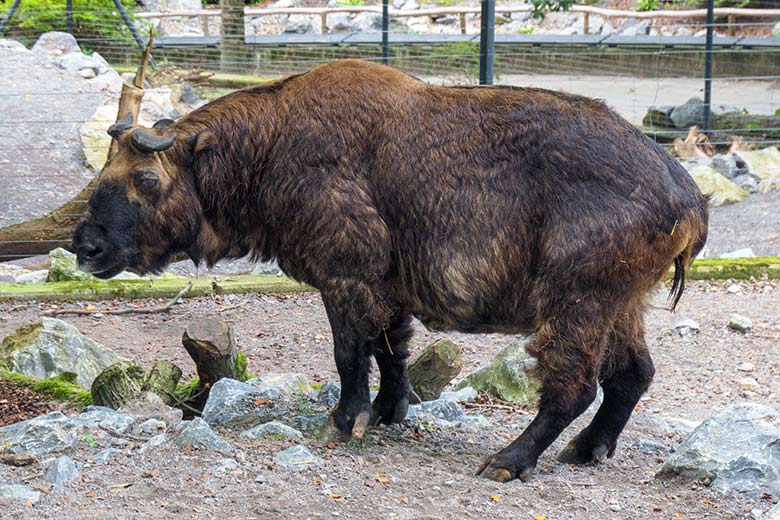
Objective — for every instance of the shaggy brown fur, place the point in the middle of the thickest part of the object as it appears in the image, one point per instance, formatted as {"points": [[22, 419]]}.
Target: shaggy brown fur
{"points": [[474, 209]]}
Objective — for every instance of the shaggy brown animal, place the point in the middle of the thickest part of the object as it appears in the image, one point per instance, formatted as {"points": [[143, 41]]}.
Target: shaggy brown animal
{"points": [[510, 210]]}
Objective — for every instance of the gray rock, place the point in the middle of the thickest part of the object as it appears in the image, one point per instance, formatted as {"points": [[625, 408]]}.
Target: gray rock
{"points": [[506, 377], [12, 45], [464, 395], [686, 327], [440, 409], [634, 27], [729, 165], [61, 469], [774, 513], [290, 383], [95, 417], [50, 347], [154, 443], [736, 450], [151, 405], [740, 253], [675, 425], [103, 456], [301, 24], [21, 492], [309, 422], [329, 394], [63, 266], [740, 323], [367, 22], [297, 458], [747, 182], [189, 95], [688, 114], [149, 427], [230, 400], [56, 43], [199, 435], [340, 22], [48, 433], [651, 447], [39, 276], [272, 429], [476, 421]]}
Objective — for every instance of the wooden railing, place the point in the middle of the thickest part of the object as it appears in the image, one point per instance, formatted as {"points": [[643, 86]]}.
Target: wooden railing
{"points": [[730, 12]]}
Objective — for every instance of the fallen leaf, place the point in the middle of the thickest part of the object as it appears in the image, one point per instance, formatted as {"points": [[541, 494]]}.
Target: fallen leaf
{"points": [[261, 402], [337, 497], [540, 517], [29, 503], [90, 494], [331, 445], [382, 479], [368, 484], [678, 515], [497, 498], [317, 480]]}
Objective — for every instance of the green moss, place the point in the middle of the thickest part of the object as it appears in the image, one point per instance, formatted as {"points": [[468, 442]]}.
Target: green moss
{"points": [[161, 287], [241, 364], [22, 337], [62, 387], [185, 390], [316, 386], [736, 268]]}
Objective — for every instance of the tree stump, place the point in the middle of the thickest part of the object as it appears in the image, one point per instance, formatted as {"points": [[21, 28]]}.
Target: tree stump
{"points": [[433, 368], [212, 346], [118, 384], [162, 380]]}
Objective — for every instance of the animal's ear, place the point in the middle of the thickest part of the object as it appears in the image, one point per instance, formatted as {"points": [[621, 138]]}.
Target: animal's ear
{"points": [[205, 140]]}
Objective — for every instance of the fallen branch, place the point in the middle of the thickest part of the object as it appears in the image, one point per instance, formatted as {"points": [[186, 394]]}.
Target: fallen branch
{"points": [[115, 433], [118, 312]]}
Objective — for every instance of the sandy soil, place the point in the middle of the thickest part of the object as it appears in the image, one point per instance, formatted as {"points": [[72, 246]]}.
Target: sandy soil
{"points": [[430, 475]]}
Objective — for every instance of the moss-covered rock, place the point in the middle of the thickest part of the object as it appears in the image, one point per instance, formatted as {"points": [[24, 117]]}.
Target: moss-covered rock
{"points": [[49, 347], [118, 384], [764, 164], [507, 376], [721, 190], [63, 267]]}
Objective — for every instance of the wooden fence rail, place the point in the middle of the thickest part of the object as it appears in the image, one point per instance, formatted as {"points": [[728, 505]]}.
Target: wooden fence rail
{"points": [[731, 13]]}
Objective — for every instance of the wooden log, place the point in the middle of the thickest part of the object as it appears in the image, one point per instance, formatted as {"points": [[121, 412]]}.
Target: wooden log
{"points": [[212, 346], [162, 380], [118, 384], [433, 368]]}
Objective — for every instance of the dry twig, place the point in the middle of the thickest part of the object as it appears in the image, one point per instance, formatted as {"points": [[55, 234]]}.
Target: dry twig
{"points": [[117, 312]]}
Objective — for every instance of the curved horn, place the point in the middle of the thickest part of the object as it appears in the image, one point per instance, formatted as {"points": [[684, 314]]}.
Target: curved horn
{"points": [[145, 142], [121, 126], [162, 124]]}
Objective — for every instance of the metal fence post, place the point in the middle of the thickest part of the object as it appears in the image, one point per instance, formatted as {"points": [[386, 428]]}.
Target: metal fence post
{"points": [[487, 42], [385, 30], [708, 67], [69, 16], [11, 11]]}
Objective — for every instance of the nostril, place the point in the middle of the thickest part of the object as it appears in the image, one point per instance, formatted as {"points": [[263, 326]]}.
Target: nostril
{"points": [[90, 252]]}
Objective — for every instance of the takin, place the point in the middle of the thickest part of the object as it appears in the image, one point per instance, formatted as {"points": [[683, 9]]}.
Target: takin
{"points": [[476, 209]]}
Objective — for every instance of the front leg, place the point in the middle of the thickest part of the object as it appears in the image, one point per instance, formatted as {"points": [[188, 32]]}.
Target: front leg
{"points": [[356, 317]]}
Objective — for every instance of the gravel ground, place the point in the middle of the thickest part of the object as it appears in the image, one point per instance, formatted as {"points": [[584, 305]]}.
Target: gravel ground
{"points": [[430, 475]]}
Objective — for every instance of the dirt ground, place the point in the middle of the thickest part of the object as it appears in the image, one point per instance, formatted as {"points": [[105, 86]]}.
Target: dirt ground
{"points": [[430, 475]]}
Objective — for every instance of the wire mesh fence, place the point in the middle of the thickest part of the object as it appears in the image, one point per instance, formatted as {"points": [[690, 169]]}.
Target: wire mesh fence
{"points": [[56, 104]]}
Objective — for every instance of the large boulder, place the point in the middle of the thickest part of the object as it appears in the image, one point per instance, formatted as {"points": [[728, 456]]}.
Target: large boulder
{"points": [[721, 190], [737, 450], [234, 402], [51, 347], [506, 377], [63, 50], [764, 164], [50, 433], [690, 113]]}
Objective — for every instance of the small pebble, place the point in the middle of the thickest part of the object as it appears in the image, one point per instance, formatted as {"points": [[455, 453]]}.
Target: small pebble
{"points": [[746, 367], [734, 289], [740, 323], [748, 384]]}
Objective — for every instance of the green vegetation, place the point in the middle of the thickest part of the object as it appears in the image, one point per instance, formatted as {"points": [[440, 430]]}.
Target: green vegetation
{"points": [[459, 55], [648, 5], [351, 3], [93, 20], [62, 387], [542, 6]]}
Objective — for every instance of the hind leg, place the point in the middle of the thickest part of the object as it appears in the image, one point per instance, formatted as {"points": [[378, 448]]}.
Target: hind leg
{"points": [[390, 351], [626, 374], [569, 353]]}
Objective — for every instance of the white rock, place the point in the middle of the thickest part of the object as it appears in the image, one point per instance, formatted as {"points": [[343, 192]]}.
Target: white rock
{"points": [[733, 288], [749, 384], [746, 367], [740, 323], [685, 327]]}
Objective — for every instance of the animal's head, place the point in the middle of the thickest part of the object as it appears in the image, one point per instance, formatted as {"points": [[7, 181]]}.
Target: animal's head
{"points": [[144, 208]]}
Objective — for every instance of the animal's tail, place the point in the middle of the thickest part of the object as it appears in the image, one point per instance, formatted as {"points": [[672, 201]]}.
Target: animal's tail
{"points": [[698, 237]]}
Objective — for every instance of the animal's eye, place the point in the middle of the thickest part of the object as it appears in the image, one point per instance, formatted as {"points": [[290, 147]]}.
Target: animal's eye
{"points": [[146, 180]]}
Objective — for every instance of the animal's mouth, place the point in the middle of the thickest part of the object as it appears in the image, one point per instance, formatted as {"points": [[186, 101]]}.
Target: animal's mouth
{"points": [[103, 273]]}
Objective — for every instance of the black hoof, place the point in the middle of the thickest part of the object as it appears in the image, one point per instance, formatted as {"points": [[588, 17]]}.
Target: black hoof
{"points": [[581, 451], [343, 426], [494, 468], [385, 411]]}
